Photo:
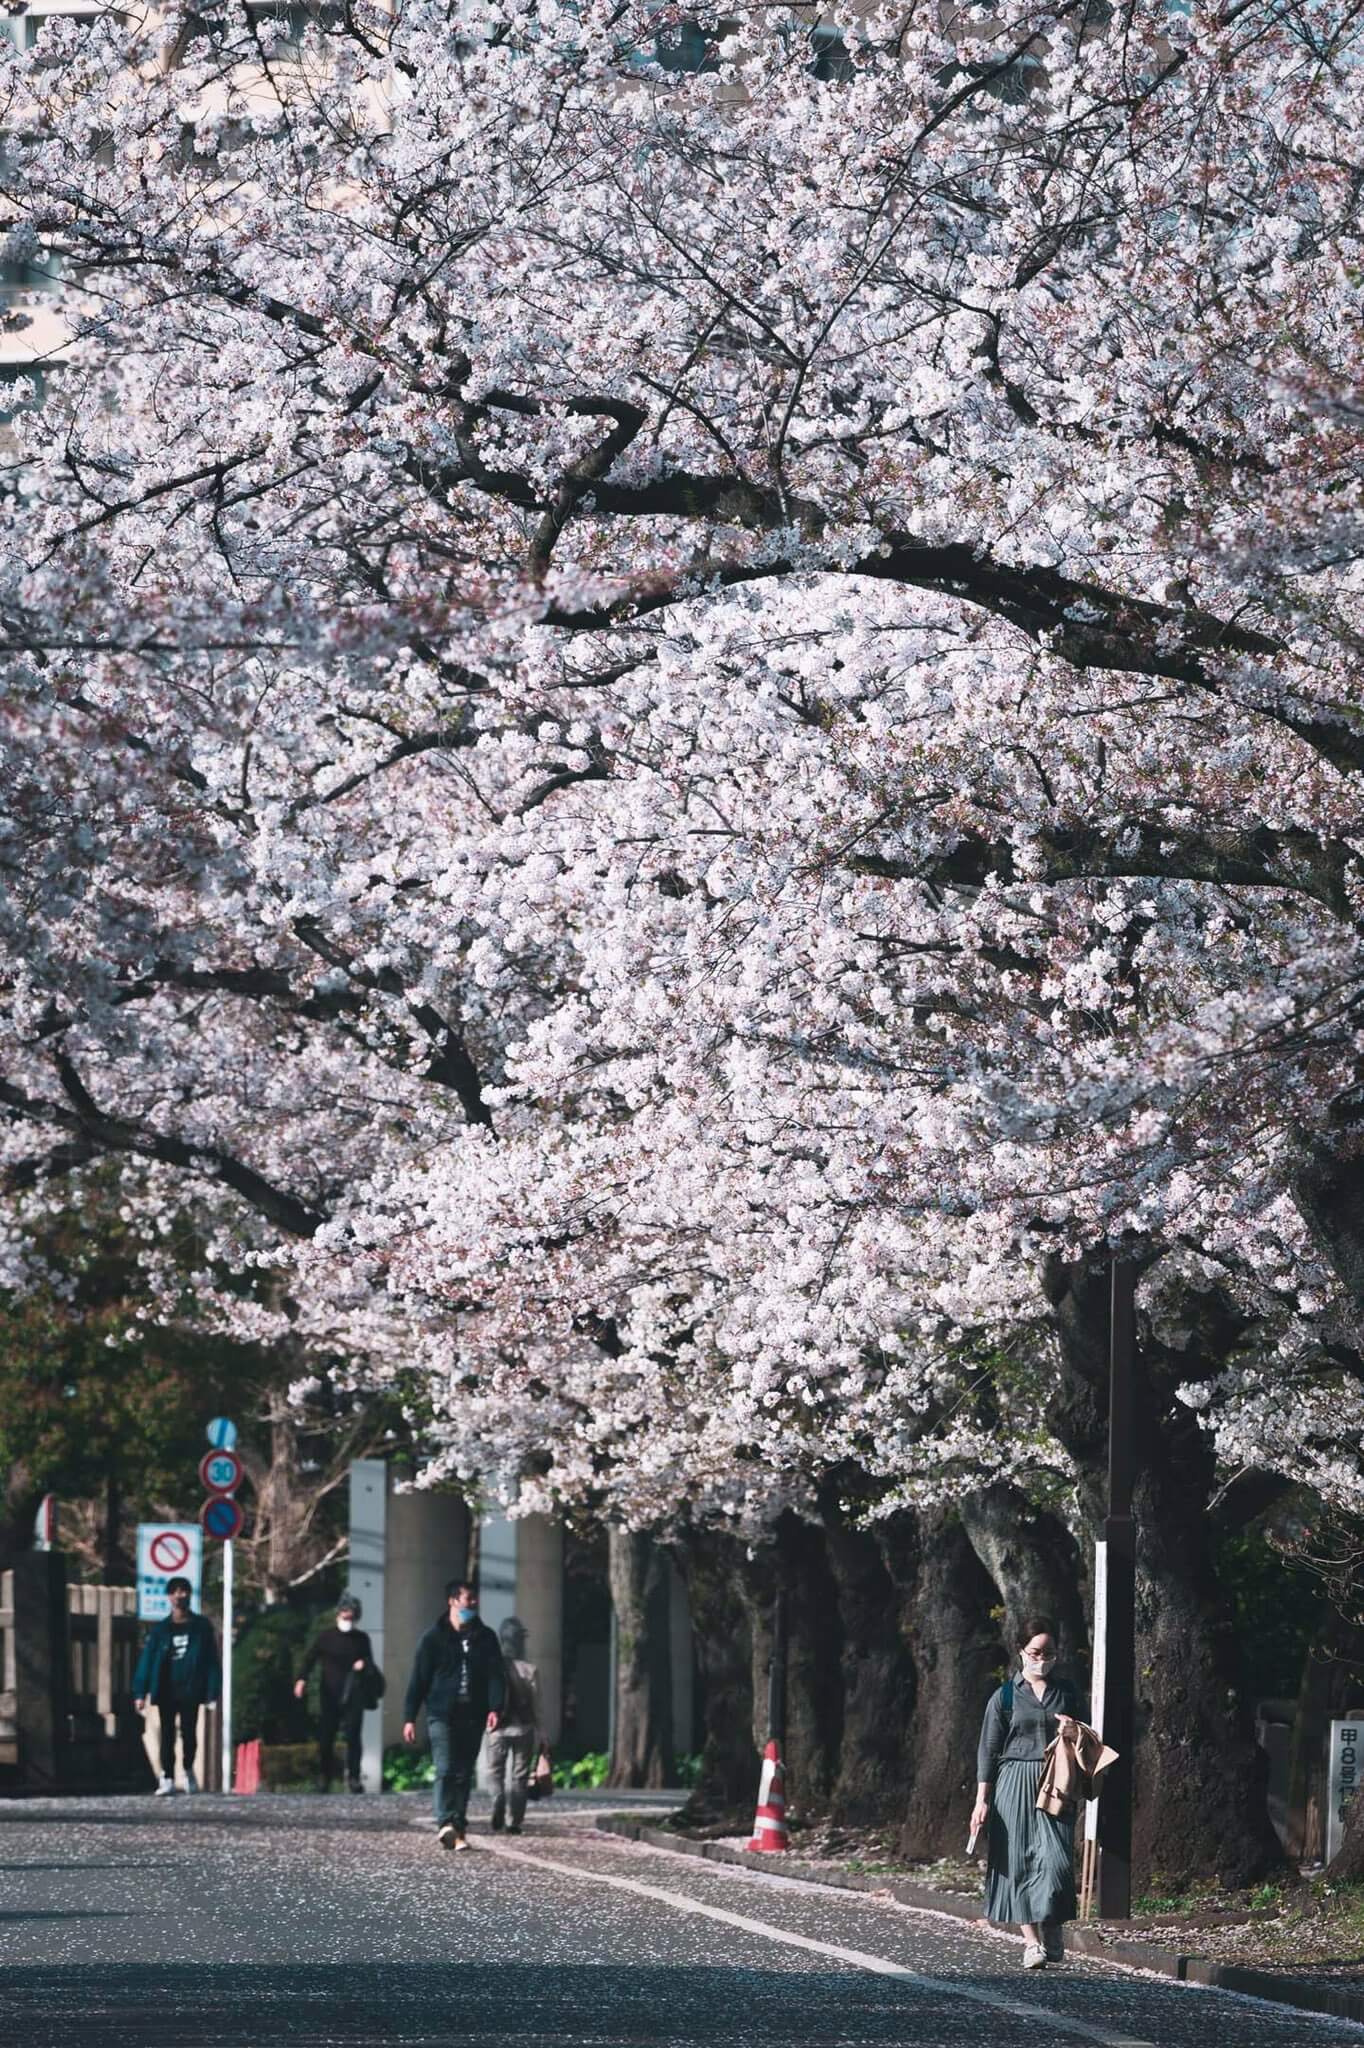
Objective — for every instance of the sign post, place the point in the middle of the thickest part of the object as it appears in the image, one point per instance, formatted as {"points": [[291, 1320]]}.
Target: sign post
{"points": [[227, 1666], [1345, 1768], [220, 1472]]}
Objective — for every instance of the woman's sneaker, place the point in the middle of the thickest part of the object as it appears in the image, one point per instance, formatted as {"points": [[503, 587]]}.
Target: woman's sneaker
{"points": [[191, 1782], [1054, 1944], [165, 1787], [1034, 1956]]}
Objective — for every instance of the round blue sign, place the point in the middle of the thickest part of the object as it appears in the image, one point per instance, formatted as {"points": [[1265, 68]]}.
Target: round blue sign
{"points": [[222, 1434], [221, 1518]]}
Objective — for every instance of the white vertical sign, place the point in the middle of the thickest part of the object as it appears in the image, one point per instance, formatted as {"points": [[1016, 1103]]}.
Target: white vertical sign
{"points": [[1098, 1673], [1342, 1779]]}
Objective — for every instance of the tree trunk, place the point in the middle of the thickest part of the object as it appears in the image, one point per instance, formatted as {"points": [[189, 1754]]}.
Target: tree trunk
{"points": [[18, 1509], [798, 1560], [112, 1566], [712, 1567], [877, 1671], [642, 1750], [946, 1600], [1036, 1565], [1200, 1779]]}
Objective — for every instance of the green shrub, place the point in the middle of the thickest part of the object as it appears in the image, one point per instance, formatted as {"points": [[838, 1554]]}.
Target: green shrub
{"points": [[287, 1766], [407, 1769], [265, 1661], [584, 1773]]}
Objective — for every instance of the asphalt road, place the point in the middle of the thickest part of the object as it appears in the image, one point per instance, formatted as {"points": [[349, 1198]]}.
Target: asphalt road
{"points": [[265, 1922]]}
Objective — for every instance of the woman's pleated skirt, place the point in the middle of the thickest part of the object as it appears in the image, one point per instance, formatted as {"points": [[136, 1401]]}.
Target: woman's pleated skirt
{"points": [[1030, 1864]]}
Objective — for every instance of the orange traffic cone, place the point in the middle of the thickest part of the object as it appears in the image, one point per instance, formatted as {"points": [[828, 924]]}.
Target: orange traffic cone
{"points": [[769, 1822]]}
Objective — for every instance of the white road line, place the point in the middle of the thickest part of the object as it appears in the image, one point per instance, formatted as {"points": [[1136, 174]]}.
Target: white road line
{"points": [[851, 1958]]}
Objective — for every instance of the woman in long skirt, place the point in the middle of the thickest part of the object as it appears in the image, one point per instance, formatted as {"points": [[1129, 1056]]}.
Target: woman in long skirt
{"points": [[1030, 1862]]}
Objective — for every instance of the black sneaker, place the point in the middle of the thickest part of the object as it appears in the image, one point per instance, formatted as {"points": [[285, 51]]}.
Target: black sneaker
{"points": [[499, 1817], [355, 1785], [446, 1836]]}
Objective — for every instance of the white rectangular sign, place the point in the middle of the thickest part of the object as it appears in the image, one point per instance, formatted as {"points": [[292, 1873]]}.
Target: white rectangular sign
{"points": [[165, 1551], [1342, 1779], [1098, 1673]]}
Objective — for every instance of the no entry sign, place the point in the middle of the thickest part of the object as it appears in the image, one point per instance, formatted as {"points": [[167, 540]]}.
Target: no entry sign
{"points": [[221, 1517], [166, 1550]]}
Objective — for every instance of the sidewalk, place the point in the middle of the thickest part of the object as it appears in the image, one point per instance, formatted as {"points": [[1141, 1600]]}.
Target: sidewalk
{"points": [[1116, 1941]]}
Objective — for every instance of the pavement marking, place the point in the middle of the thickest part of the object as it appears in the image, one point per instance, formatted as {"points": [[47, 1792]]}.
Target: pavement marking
{"points": [[853, 1958]]}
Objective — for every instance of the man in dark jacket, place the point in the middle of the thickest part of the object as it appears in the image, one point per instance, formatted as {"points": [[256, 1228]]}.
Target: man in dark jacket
{"points": [[457, 1676], [178, 1672], [346, 1656]]}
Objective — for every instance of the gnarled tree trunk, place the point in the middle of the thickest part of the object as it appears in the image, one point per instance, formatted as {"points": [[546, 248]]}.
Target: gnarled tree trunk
{"points": [[1036, 1565], [945, 1599], [712, 1566], [1200, 1779], [798, 1560], [877, 1673], [642, 1749]]}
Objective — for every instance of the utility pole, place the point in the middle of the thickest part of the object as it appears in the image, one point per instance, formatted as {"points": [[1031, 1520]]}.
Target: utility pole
{"points": [[1119, 1648]]}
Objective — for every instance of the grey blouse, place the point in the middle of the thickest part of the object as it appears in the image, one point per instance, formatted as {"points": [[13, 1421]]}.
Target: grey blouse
{"points": [[1022, 1738]]}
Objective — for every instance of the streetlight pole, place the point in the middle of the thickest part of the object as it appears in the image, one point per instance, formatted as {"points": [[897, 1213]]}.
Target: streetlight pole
{"points": [[1119, 1649]]}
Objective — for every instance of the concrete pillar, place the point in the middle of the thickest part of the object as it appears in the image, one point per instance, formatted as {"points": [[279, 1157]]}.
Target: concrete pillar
{"points": [[42, 1668], [404, 1546], [521, 1572]]}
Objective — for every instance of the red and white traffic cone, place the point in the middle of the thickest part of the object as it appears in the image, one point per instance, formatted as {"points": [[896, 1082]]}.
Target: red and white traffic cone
{"points": [[769, 1822]]}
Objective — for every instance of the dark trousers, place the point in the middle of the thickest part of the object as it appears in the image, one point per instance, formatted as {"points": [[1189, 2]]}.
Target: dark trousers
{"points": [[172, 1712], [454, 1751], [347, 1716]]}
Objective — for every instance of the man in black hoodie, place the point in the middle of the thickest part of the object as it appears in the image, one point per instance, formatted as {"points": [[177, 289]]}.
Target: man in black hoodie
{"points": [[457, 1676]]}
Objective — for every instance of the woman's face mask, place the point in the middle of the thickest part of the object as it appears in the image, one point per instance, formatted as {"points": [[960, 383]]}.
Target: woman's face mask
{"points": [[1038, 1663], [345, 1621]]}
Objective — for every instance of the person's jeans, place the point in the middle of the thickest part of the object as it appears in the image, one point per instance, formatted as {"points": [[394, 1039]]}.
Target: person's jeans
{"points": [[346, 1715], [454, 1751], [172, 1711], [510, 1755]]}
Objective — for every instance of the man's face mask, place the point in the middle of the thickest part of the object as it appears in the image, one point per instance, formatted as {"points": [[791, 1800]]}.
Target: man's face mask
{"points": [[466, 1615], [345, 1621]]}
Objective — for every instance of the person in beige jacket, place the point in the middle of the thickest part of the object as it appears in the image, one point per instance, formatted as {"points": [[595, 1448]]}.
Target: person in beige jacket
{"points": [[513, 1745]]}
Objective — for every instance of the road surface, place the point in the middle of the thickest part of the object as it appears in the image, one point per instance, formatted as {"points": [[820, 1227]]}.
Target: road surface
{"points": [[294, 1923]]}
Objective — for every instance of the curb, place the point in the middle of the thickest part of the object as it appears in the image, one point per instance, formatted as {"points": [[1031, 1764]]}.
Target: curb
{"points": [[1141, 1955]]}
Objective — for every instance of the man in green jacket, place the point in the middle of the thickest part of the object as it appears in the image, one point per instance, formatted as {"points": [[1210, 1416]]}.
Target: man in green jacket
{"points": [[178, 1672]]}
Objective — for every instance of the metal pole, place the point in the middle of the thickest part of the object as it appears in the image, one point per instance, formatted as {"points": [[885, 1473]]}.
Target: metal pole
{"points": [[1119, 1647], [227, 1666]]}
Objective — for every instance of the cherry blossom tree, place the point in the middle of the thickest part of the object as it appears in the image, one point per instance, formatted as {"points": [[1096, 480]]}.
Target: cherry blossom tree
{"points": [[682, 734]]}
